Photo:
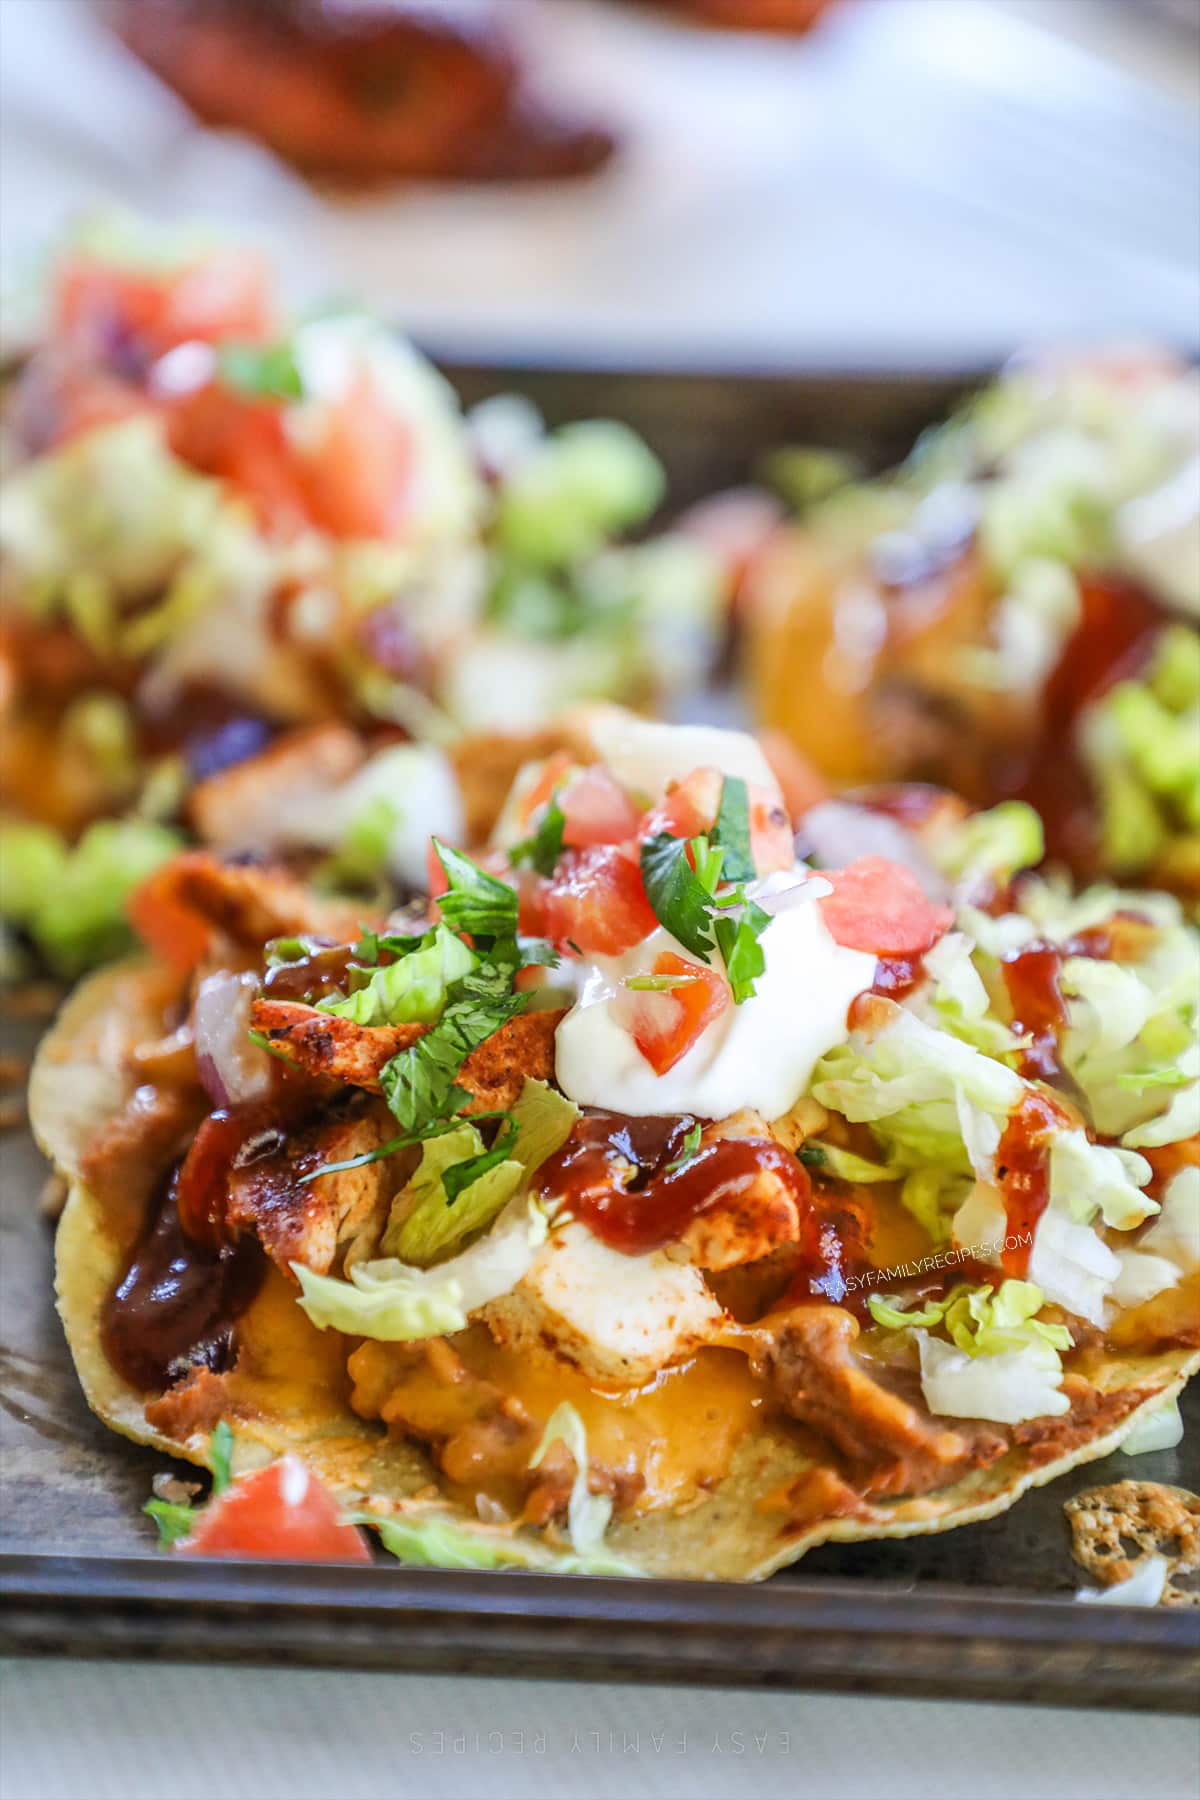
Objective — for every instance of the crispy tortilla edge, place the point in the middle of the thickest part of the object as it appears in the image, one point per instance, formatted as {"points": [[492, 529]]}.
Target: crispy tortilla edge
{"points": [[729, 1536]]}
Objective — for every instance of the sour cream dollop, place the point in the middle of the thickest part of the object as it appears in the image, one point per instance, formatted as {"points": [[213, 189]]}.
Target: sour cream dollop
{"points": [[760, 1054]]}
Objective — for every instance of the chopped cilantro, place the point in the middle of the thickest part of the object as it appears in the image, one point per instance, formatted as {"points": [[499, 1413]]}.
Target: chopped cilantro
{"points": [[691, 1144], [477, 902], [420, 1083], [460, 1175], [262, 371], [738, 942], [732, 830], [173, 1518], [677, 894], [220, 1456], [812, 1156], [544, 848]]}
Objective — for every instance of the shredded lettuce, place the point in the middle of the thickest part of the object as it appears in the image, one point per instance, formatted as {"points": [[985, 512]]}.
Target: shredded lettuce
{"points": [[424, 1536], [1001, 1361], [588, 1514], [32, 860], [544, 1120], [982, 1321], [996, 844], [578, 487], [1159, 1429], [395, 1303], [427, 1220], [844, 1165], [910, 1081], [413, 989], [79, 918], [1010, 1387]]}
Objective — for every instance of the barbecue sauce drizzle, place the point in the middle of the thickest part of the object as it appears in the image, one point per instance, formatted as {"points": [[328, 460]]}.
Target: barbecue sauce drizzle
{"points": [[187, 1284], [615, 1175], [177, 1305]]}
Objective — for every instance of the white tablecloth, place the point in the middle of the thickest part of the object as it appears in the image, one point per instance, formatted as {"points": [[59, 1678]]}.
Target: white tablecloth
{"points": [[920, 180], [125, 1731]]}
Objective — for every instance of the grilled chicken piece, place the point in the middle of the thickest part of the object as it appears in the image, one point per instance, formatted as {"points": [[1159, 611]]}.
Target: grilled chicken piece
{"points": [[313, 1222], [364, 92], [249, 902], [618, 1318], [129, 1155], [245, 806], [809, 1357], [323, 1044], [784, 16], [743, 1226]]}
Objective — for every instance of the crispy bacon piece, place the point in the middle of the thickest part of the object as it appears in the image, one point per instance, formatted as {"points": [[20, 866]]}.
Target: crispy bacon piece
{"points": [[323, 1044], [808, 1355]]}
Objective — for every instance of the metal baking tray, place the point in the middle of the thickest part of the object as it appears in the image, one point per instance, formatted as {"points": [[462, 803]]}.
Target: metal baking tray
{"points": [[983, 1612]]}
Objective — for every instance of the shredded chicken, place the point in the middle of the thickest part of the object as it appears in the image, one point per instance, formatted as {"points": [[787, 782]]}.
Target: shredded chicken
{"points": [[324, 1044], [252, 903], [808, 1355], [242, 807]]}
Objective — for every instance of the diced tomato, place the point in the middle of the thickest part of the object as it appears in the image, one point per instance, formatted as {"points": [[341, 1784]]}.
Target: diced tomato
{"points": [[550, 775], [358, 478], [435, 875], [665, 1025], [224, 294], [879, 906], [242, 441], [64, 397], [282, 1512], [597, 810], [596, 900], [801, 785], [690, 808], [772, 840], [164, 922]]}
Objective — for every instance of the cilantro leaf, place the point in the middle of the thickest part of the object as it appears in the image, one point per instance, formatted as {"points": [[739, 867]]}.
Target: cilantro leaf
{"points": [[691, 1144], [477, 902], [420, 1083], [220, 1454], [812, 1156], [263, 371], [743, 955], [544, 848], [732, 830], [173, 1518], [460, 1175], [678, 896]]}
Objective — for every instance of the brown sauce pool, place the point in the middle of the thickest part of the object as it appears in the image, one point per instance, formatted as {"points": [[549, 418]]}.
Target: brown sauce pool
{"points": [[178, 1303]]}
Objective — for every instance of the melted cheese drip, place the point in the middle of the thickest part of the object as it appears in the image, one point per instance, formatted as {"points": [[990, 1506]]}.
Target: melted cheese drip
{"points": [[678, 1432]]}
